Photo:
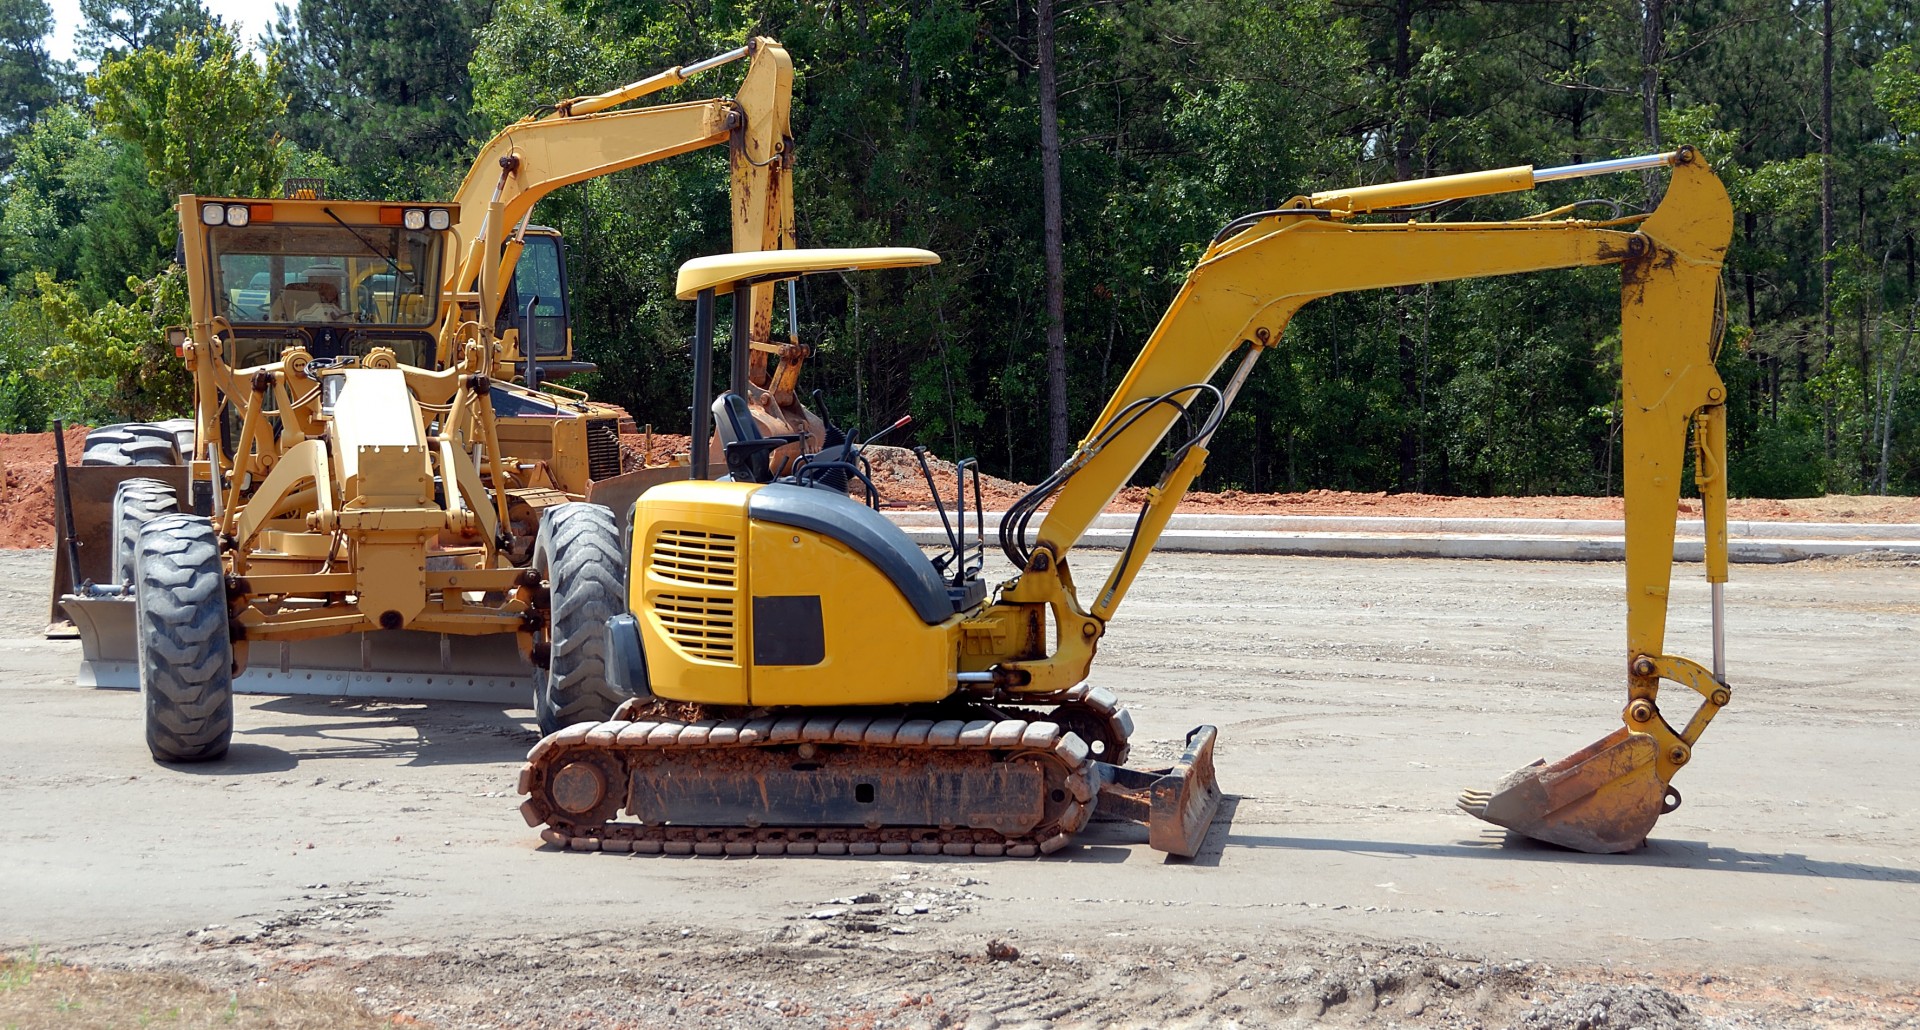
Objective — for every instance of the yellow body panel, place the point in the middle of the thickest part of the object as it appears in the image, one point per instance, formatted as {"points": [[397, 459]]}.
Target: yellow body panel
{"points": [[875, 648], [689, 585]]}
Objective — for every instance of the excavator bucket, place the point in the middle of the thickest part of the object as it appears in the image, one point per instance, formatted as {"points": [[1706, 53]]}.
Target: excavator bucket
{"points": [[1176, 804], [1602, 799]]}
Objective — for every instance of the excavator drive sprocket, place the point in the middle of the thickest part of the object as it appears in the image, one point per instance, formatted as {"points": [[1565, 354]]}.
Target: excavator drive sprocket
{"points": [[1602, 799], [1094, 714], [818, 784]]}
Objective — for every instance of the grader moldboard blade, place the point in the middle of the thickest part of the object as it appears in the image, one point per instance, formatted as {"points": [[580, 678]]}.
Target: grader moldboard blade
{"points": [[1602, 799], [400, 664], [1176, 804]]}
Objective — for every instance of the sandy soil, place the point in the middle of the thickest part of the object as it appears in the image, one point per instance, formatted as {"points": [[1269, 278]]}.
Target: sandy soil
{"points": [[370, 849]]}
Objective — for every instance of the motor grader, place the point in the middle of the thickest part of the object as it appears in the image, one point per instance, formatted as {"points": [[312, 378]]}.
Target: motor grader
{"points": [[360, 503], [804, 680]]}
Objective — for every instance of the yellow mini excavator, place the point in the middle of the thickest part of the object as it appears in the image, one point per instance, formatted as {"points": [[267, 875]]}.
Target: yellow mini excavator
{"points": [[805, 680], [363, 501]]}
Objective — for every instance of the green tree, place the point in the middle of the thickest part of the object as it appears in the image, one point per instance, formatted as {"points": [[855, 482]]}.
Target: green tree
{"points": [[114, 357], [200, 113], [28, 77], [382, 88], [111, 29]]}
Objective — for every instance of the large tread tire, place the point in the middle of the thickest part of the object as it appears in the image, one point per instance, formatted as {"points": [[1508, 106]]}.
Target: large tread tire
{"points": [[131, 443], [136, 502], [182, 432], [186, 654], [577, 553]]}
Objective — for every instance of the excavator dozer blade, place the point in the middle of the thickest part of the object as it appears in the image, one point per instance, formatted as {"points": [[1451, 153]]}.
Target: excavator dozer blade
{"points": [[402, 664], [1185, 798], [1177, 804], [1602, 799]]}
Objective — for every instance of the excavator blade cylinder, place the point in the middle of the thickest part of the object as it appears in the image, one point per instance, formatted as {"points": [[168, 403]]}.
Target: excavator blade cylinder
{"points": [[1602, 799]]}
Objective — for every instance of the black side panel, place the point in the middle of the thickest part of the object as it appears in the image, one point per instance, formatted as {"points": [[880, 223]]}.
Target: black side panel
{"points": [[788, 630], [867, 532], [626, 661]]}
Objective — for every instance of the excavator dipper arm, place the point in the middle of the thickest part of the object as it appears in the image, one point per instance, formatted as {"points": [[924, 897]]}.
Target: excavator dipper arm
{"points": [[1243, 293], [581, 139]]}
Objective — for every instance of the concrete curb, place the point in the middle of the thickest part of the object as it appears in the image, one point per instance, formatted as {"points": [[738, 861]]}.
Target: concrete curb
{"points": [[1513, 539]]}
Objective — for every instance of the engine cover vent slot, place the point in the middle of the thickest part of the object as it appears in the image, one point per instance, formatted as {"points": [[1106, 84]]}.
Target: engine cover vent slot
{"points": [[697, 558], [701, 626]]}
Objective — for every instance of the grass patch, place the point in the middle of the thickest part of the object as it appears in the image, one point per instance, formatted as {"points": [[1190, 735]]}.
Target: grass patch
{"points": [[35, 992]]}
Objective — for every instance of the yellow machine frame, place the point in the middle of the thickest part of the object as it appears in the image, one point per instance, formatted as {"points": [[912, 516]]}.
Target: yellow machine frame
{"points": [[336, 509]]}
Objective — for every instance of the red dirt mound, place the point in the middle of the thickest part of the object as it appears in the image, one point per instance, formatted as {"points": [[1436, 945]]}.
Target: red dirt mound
{"points": [[26, 499], [26, 505]]}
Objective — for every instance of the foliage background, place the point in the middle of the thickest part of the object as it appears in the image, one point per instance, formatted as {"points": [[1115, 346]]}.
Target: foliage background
{"points": [[918, 125]]}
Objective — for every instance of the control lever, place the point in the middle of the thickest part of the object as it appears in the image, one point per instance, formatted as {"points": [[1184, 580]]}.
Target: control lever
{"points": [[905, 420]]}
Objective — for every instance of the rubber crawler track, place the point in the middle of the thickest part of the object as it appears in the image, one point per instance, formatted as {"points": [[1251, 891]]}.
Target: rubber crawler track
{"points": [[1065, 758]]}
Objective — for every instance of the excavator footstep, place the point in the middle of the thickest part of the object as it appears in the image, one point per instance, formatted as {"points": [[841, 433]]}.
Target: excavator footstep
{"points": [[1602, 799], [1177, 804]]}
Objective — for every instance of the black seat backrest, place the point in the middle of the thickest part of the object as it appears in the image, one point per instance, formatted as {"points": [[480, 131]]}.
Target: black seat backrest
{"points": [[741, 442]]}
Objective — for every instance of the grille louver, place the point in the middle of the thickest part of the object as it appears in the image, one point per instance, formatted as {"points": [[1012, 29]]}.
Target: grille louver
{"points": [[697, 558], [603, 448], [700, 626]]}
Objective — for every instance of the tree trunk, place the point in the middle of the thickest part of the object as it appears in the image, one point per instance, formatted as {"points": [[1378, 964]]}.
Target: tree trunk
{"points": [[1653, 50], [1056, 265], [1403, 170], [1826, 177]]}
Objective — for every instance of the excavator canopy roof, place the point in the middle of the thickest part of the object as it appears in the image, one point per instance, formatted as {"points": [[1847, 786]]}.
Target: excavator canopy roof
{"points": [[722, 272]]}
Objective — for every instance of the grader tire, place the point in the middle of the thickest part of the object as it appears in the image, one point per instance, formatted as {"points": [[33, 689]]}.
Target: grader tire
{"points": [[577, 553], [131, 443], [186, 655], [136, 502]]}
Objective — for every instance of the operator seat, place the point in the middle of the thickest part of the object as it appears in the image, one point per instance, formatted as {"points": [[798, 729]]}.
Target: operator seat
{"points": [[748, 453]]}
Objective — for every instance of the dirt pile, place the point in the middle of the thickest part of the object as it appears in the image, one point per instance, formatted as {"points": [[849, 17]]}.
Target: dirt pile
{"points": [[901, 483], [26, 505], [26, 498], [639, 450], [699, 976]]}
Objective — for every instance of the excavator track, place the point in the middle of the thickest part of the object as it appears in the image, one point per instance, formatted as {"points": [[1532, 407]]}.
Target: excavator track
{"points": [[825, 783]]}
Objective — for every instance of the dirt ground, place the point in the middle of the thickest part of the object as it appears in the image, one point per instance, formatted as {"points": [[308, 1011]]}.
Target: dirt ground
{"points": [[370, 850], [26, 498]]}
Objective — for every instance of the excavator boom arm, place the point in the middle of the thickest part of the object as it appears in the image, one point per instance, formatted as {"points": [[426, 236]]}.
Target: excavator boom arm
{"points": [[581, 139], [1245, 290]]}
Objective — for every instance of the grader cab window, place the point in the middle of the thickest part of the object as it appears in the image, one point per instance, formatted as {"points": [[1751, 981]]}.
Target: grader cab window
{"points": [[280, 274]]}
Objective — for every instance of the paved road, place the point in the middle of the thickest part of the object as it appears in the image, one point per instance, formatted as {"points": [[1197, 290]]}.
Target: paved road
{"points": [[1355, 698]]}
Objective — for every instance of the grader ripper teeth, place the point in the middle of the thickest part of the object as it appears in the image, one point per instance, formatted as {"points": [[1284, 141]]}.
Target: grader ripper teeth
{"points": [[851, 784]]}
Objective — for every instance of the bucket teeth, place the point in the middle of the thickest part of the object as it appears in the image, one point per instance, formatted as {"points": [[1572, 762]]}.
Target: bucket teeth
{"points": [[1601, 799]]}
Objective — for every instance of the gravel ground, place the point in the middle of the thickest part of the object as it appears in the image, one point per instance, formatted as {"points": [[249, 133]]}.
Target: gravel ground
{"points": [[370, 849]]}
